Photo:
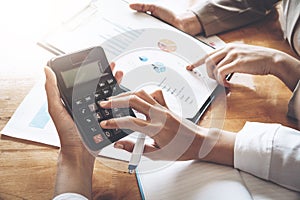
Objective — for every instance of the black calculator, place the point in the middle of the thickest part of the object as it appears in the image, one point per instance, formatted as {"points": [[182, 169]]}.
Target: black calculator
{"points": [[85, 79]]}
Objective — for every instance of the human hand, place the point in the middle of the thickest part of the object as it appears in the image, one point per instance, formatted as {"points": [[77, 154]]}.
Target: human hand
{"points": [[174, 138], [187, 21], [240, 58], [66, 128], [75, 163]]}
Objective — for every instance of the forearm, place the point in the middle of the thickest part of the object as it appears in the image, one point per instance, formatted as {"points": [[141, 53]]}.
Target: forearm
{"points": [[268, 151], [286, 68], [213, 145], [74, 174], [223, 15]]}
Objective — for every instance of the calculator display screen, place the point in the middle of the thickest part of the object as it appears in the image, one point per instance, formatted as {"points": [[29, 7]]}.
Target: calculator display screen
{"points": [[81, 74]]}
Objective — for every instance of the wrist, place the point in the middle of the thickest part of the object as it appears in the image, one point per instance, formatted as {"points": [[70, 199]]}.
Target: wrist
{"points": [[195, 148], [74, 173], [189, 23], [217, 146], [286, 68], [76, 157], [76, 161], [278, 61]]}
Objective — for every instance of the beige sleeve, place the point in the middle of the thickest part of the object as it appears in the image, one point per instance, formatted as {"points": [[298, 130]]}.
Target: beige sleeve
{"points": [[218, 16]]}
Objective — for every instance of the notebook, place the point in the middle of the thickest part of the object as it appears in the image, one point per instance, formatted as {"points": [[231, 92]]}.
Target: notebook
{"points": [[195, 180]]}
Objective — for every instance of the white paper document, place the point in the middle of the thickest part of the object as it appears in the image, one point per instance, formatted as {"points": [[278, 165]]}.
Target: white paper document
{"points": [[194, 180], [156, 59], [31, 121], [99, 22]]}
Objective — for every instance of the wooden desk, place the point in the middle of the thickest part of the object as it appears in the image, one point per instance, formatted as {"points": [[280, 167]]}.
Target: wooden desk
{"points": [[28, 169]]}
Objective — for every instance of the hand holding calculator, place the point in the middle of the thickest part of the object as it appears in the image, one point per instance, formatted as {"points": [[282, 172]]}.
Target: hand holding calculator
{"points": [[84, 79]]}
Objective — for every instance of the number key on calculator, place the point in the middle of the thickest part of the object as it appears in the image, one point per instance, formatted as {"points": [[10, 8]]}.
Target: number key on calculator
{"points": [[92, 114]]}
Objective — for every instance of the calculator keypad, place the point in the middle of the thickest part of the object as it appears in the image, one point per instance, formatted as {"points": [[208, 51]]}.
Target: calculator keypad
{"points": [[90, 114]]}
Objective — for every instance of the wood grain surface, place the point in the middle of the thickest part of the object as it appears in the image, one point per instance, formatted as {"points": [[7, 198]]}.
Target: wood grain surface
{"points": [[27, 169]]}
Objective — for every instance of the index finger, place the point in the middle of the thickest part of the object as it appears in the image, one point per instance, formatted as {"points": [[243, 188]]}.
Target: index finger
{"points": [[201, 60], [197, 63], [132, 101], [141, 94]]}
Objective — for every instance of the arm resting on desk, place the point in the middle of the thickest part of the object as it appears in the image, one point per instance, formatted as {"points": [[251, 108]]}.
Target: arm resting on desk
{"points": [[269, 151], [223, 15]]}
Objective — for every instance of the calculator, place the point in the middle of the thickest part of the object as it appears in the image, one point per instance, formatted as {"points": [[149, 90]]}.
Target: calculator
{"points": [[85, 79]]}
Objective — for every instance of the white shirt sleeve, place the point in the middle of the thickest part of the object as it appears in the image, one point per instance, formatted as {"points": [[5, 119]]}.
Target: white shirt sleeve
{"points": [[70, 196], [269, 151]]}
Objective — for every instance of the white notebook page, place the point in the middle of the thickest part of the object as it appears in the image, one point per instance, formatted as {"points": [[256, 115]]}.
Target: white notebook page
{"points": [[192, 180]]}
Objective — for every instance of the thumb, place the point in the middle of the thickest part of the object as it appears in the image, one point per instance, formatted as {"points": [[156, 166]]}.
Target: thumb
{"points": [[55, 105], [51, 86], [129, 145], [125, 145]]}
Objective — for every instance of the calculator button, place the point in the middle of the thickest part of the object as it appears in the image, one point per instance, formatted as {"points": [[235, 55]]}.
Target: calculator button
{"points": [[88, 120], [88, 98], [117, 131], [93, 129], [106, 113], [108, 133], [98, 116], [79, 102], [98, 138], [102, 84], [106, 92], [110, 81], [97, 95], [83, 111], [92, 107]]}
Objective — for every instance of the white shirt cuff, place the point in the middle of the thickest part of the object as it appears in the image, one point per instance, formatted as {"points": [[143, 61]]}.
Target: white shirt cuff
{"points": [[70, 196], [253, 148]]}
